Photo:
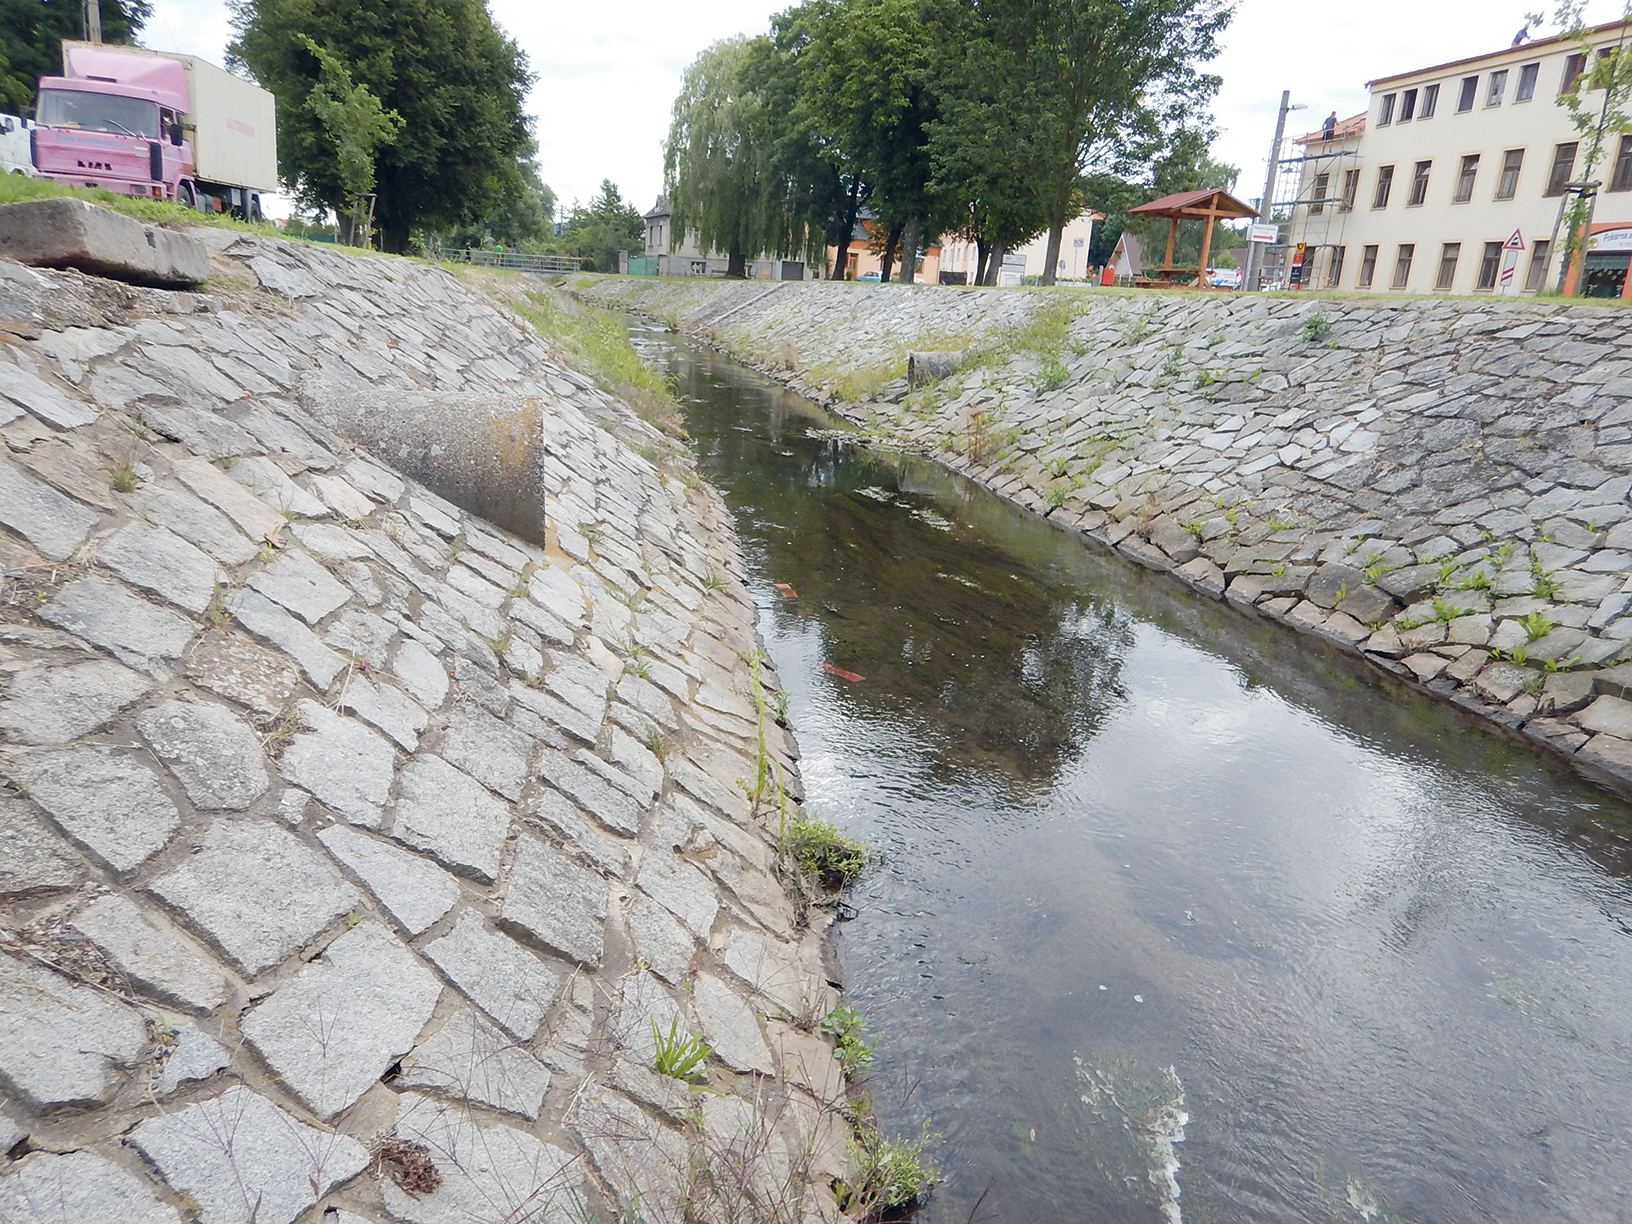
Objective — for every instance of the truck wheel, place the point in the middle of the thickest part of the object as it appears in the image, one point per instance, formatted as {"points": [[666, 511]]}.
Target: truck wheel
{"points": [[255, 209], [185, 196]]}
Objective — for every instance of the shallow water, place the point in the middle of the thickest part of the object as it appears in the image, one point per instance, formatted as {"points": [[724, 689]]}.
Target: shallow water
{"points": [[1180, 917]]}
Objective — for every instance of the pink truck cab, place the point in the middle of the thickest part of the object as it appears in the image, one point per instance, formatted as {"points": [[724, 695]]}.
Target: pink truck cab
{"points": [[165, 127]]}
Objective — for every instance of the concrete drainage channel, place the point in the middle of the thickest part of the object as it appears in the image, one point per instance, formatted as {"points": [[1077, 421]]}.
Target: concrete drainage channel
{"points": [[1444, 488], [361, 856]]}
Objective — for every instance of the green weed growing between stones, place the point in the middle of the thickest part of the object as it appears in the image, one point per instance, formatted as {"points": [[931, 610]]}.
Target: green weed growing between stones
{"points": [[854, 1052], [822, 854], [678, 1055], [891, 1174], [1315, 327], [1536, 625]]}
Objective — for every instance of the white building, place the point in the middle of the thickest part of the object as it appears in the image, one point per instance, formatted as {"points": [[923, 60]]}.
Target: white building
{"points": [[1077, 236], [1452, 182]]}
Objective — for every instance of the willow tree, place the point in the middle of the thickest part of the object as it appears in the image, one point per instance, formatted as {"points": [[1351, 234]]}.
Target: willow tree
{"points": [[714, 162]]}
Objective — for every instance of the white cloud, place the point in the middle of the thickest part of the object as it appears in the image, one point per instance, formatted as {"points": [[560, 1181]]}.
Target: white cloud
{"points": [[608, 76]]}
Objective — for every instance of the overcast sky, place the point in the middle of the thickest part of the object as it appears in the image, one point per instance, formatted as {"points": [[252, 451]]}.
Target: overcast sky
{"points": [[607, 76]]}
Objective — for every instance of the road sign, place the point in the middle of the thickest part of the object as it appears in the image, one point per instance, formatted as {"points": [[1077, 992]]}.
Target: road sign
{"points": [[1515, 243], [1507, 277], [1265, 233]]}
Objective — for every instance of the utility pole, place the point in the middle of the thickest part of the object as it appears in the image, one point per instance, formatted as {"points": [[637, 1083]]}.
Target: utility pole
{"points": [[93, 21], [1266, 206]]}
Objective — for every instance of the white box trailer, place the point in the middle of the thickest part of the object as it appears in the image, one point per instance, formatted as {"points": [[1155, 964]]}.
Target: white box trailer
{"points": [[232, 124]]}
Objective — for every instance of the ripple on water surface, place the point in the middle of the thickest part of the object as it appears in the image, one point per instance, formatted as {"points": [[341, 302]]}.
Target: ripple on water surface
{"points": [[1178, 917]]}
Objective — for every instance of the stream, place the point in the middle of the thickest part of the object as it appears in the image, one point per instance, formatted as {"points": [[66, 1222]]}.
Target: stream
{"points": [[1180, 916]]}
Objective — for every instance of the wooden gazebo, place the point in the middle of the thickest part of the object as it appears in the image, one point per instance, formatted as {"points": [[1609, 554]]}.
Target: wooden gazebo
{"points": [[1205, 206]]}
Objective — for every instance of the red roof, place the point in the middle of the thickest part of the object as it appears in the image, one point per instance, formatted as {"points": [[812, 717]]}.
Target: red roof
{"points": [[1194, 204], [1354, 126]]}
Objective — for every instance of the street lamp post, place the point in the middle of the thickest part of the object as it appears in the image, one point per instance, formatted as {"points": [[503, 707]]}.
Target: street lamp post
{"points": [[1266, 206]]}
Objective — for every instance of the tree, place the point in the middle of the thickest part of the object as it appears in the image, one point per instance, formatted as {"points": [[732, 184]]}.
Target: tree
{"points": [[715, 160], [356, 124], [599, 230], [31, 34], [452, 76], [1101, 84], [1596, 118]]}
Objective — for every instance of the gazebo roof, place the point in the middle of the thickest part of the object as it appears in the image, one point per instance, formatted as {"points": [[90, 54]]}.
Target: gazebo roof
{"points": [[1195, 206]]}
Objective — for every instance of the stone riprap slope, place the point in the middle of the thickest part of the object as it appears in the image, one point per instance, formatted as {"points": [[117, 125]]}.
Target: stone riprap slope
{"points": [[352, 846], [1442, 486]]}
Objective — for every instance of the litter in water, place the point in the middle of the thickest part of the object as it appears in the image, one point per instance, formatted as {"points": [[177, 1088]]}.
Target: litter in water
{"points": [[841, 673], [786, 591]]}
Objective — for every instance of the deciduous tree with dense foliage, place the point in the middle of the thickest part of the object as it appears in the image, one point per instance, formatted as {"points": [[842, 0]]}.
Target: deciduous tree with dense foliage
{"points": [[31, 34], [603, 227], [453, 77]]}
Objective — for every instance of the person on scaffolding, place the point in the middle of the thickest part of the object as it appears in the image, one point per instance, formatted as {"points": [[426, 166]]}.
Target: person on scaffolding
{"points": [[1328, 130]]}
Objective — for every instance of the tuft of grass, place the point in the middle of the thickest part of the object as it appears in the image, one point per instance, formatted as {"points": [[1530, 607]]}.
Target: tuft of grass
{"points": [[715, 581], [1536, 625], [854, 1052], [890, 1174], [123, 479], [821, 853], [1315, 327], [678, 1055]]}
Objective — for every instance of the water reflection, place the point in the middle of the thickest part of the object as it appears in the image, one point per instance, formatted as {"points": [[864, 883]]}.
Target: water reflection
{"points": [[1179, 917]]}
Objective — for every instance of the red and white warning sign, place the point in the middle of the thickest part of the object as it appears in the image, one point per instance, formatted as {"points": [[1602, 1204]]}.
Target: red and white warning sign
{"points": [[1515, 243]]}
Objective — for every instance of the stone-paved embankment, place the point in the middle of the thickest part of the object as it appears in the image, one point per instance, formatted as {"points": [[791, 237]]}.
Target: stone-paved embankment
{"points": [[1441, 486], [352, 846]]}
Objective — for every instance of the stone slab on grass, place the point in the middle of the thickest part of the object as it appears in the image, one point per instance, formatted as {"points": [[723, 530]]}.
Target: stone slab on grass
{"points": [[241, 1158], [257, 892], [335, 1027], [78, 1188], [71, 233], [62, 1043]]}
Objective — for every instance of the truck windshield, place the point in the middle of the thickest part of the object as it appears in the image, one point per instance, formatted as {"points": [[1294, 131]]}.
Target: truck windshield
{"points": [[99, 112]]}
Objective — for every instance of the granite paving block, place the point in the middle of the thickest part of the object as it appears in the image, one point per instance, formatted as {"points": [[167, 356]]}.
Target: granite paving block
{"points": [[451, 816], [192, 1055], [52, 705], [342, 762], [154, 957], [414, 892], [482, 1165], [216, 1151], [268, 621], [72, 785], [299, 583], [79, 1188], [488, 749], [227, 663], [613, 808], [54, 524], [44, 400], [129, 628], [258, 520], [267, 481], [197, 522], [255, 891], [388, 708], [215, 754], [163, 563], [506, 981], [33, 857], [421, 673], [469, 1058], [555, 902], [62, 1042], [333, 1029]]}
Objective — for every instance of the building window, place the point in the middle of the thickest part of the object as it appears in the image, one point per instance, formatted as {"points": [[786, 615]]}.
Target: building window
{"points": [[1402, 264], [1470, 90], [1386, 115], [1322, 181], [1527, 82], [1563, 164], [1574, 66], [1620, 178], [1464, 180], [1368, 267], [1490, 266], [1336, 272], [1408, 105], [1351, 188], [1498, 86], [1448, 255], [1385, 184], [1512, 163], [1419, 184], [1430, 101], [1538, 265]]}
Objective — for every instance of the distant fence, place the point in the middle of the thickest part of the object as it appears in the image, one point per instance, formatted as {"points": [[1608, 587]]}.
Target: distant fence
{"points": [[515, 259]]}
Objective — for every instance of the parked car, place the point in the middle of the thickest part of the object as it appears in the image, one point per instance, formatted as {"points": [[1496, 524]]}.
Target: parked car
{"points": [[872, 278], [16, 157]]}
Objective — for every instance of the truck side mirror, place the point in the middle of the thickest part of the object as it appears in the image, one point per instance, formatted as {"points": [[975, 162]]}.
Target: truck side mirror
{"points": [[175, 133]]}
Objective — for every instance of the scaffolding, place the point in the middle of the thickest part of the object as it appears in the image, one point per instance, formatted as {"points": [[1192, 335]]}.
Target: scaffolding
{"points": [[1314, 194]]}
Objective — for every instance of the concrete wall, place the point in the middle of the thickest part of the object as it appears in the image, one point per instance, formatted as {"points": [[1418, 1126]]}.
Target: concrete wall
{"points": [[1440, 486], [352, 843]]}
